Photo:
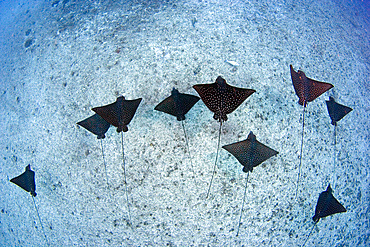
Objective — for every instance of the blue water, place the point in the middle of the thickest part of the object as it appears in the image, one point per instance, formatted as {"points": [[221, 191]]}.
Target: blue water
{"points": [[61, 58]]}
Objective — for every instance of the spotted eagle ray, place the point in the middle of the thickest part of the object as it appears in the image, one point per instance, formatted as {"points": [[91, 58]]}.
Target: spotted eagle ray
{"points": [[98, 126], [336, 113], [250, 153], [307, 90], [178, 104], [326, 205], [27, 182], [119, 114]]}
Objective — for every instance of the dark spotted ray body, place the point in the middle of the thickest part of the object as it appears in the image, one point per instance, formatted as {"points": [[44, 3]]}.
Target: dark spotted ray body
{"points": [[98, 126], [178, 104], [336, 113], [250, 153], [27, 182], [221, 99], [119, 114], [307, 90], [326, 205]]}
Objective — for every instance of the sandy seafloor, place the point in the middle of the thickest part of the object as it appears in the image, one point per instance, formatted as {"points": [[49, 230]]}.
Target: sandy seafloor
{"points": [[83, 54]]}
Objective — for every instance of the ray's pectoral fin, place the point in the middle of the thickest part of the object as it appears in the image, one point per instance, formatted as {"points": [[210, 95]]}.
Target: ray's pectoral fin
{"points": [[96, 125]]}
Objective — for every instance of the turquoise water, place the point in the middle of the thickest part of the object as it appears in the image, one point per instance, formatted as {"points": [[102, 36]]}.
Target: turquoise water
{"points": [[61, 58]]}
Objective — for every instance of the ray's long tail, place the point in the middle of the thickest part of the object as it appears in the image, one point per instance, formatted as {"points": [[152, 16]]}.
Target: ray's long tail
{"points": [[124, 175], [42, 227], [214, 167], [301, 153], [304, 243], [187, 142], [241, 211], [105, 165], [335, 156]]}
